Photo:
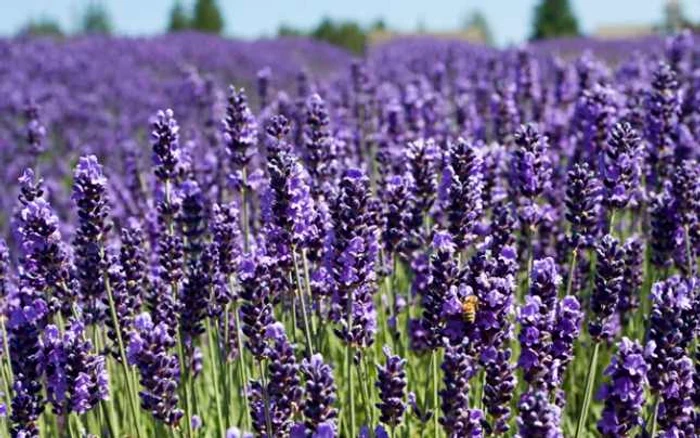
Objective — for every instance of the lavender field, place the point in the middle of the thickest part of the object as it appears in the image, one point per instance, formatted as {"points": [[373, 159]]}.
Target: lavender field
{"points": [[211, 238]]}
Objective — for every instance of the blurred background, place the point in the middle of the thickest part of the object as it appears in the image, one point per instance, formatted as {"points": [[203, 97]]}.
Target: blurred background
{"points": [[354, 24]]}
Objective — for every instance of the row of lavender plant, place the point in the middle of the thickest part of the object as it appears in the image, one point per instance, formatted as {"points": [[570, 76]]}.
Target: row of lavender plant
{"points": [[449, 241]]}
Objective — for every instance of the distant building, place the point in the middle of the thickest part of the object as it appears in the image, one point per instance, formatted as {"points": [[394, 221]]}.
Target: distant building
{"points": [[624, 31], [471, 35]]}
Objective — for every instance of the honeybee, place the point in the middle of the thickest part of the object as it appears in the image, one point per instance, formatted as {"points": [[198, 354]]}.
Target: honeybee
{"points": [[469, 307]]}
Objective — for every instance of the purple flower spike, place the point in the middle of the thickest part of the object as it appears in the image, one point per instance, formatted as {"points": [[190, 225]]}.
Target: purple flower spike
{"points": [[608, 283], [240, 130], [392, 383], [624, 393], [165, 136]]}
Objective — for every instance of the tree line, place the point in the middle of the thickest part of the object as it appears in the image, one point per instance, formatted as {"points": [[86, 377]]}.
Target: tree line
{"points": [[551, 19]]}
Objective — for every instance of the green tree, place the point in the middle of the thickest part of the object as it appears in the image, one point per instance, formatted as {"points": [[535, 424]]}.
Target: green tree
{"points": [[379, 25], [554, 18], [348, 35], [207, 17], [96, 20], [286, 31], [477, 22], [178, 18], [44, 27]]}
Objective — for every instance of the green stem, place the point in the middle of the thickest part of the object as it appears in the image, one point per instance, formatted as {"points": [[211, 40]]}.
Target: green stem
{"points": [[351, 388], [215, 377], [184, 373], [611, 231], [244, 211], [590, 381], [654, 416], [242, 371], [362, 371], [688, 251], [304, 315], [307, 284], [436, 399], [122, 355], [266, 399], [572, 272]]}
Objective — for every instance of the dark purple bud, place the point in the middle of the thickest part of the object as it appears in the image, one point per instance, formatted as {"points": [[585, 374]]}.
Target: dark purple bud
{"points": [[609, 273], [583, 197], [391, 382]]}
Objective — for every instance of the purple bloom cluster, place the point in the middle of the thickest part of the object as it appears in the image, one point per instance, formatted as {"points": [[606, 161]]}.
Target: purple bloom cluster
{"points": [[353, 253], [608, 283], [89, 194], [76, 377], [319, 394], [149, 350], [391, 383], [624, 393]]}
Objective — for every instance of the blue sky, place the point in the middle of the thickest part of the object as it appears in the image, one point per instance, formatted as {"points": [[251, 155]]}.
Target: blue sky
{"points": [[510, 19]]}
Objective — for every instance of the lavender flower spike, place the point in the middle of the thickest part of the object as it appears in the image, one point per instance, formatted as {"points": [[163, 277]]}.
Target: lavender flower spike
{"points": [[320, 394], [240, 130], [392, 389], [90, 196], [608, 282], [624, 393]]}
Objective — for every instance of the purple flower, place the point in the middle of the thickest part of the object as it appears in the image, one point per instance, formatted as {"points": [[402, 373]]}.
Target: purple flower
{"points": [[595, 112], [256, 310], [353, 256], [126, 299], [621, 165], [31, 188], [530, 162], [566, 329], [283, 392], [536, 322], [319, 396], [624, 392], [90, 196], [506, 116], [35, 131], [676, 410], [26, 356], [665, 222], [608, 282], [531, 172], [134, 260], [397, 201], [672, 325], [194, 296], [192, 218], [443, 277], [422, 157], [633, 253], [582, 206], [149, 349], [45, 264], [226, 236], [538, 417], [319, 146], [391, 382], [165, 142], [458, 368], [545, 281], [76, 377], [263, 83], [234, 432], [461, 191], [662, 111], [240, 130]]}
